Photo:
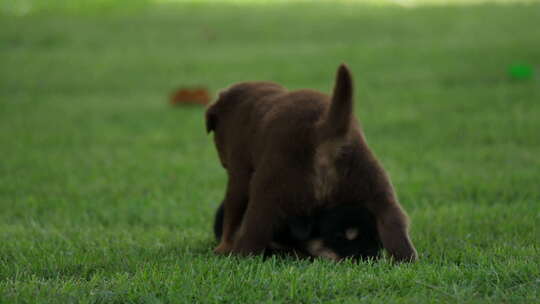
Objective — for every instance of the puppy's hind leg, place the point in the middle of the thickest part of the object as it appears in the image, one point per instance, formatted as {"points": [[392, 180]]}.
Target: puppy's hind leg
{"points": [[256, 232], [392, 225], [234, 206], [260, 219]]}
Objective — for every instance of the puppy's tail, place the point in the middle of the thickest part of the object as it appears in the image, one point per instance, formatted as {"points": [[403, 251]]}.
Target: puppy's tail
{"points": [[338, 119]]}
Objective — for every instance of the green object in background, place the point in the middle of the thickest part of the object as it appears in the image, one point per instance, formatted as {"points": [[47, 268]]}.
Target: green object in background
{"points": [[520, 71]]}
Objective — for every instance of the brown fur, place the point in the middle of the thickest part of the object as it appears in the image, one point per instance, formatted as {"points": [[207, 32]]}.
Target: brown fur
{"points": [[288, 153]]}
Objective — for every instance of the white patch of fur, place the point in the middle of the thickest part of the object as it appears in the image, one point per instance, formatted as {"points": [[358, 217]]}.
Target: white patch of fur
{"points": [[351, 234], [317, 249], [329, 254], [313, 246]]}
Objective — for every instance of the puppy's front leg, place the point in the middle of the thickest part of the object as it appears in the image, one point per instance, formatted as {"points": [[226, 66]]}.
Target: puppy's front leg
{"points": [[234, 206]]}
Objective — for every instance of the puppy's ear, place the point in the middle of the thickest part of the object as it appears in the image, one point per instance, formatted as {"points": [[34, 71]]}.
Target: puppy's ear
{"points": [[338, 119], [211, 119], [300, 227]]}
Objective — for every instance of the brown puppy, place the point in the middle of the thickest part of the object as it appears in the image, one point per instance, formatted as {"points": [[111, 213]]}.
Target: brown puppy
{"points": [[289, 153]]}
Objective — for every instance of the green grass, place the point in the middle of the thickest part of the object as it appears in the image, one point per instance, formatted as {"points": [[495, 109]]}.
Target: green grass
{"points": [[107, 193]]}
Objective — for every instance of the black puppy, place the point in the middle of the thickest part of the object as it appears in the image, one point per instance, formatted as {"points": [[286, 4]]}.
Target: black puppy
{"points": [[344, 232], [334, 233]]}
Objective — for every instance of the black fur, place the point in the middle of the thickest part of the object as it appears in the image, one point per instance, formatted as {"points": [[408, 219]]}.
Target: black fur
{"points": [[328, 225], [331, 227]]}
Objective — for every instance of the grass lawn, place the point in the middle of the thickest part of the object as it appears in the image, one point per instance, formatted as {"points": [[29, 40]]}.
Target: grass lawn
{"points": [[107, 193]]}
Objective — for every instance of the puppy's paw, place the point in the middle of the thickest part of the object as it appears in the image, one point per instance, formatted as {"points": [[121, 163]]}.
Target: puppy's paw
{"points": [[411, 256], [406, 254], [246, 248], [223, 248]]}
